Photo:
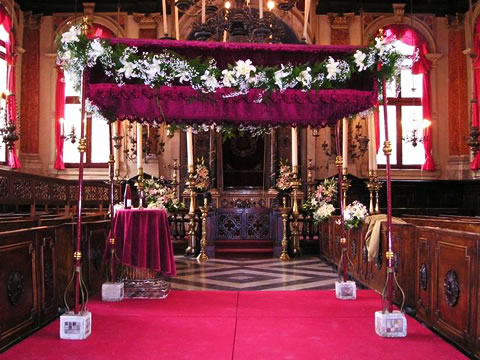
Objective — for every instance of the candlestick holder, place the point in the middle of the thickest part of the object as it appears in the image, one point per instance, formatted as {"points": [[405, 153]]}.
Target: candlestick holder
{"points": [[284, 211], [346, 184], [377, 186], [371, 189], [141, 188], [310, 181], [190, 250], [203, 242], [295, 235]]}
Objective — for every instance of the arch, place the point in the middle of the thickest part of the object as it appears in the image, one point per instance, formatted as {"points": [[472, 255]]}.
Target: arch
{"points": [[419, 26], [292, 19], [7, 4], [111, 25]]}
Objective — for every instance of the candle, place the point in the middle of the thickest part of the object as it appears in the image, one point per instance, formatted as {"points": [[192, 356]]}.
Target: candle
{"points": [[369, 127], [139, 146], [165, 24], [203, 12], [345, 143], [373, 142], [260, 8], [224, 35], [189, 147], [62, 126], [305, 20], [116, 150], [177, 27], [294, 147]]}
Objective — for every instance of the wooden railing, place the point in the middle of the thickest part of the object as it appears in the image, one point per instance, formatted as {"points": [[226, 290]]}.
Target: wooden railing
{"points": [[437, 267], [21, 192]]}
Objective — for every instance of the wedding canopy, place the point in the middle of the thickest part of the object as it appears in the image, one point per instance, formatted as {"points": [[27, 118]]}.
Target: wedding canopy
{"points": [[137, 101]]}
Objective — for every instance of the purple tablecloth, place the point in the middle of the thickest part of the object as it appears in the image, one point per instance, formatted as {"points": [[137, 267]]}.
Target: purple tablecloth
{"points": [[142, 239]]}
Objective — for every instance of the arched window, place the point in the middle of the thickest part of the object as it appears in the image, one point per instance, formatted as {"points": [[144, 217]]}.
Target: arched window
{"points": [[409, 111], [96, 130]]}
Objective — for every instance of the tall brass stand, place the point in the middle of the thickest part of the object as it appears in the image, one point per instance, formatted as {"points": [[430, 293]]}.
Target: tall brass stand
{"points": [[190, 250], [295, 213], [284, 211], [203, 242]]}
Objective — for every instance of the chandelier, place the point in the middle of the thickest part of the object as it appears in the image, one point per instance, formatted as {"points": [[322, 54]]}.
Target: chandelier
{"points": [[8, 131], [238, 21]]}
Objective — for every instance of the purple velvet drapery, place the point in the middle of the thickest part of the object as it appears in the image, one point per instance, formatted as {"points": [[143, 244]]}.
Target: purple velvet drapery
{"points": [[182, 104]]}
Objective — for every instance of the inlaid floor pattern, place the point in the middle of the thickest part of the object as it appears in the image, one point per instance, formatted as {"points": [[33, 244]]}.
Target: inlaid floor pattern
{"points": [[246, 274]]}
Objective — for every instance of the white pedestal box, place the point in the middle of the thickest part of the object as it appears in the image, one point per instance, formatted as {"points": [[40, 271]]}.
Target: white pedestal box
{"points": [[392, 324], [346, 290], [76, 327], [113, 291]]}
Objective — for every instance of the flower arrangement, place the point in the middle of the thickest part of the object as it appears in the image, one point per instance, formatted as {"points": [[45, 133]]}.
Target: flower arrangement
{"points": [[319, 202], [285, 177], [201, 176], [159, 194], [123, 63], [355, 214], [323, 212]]}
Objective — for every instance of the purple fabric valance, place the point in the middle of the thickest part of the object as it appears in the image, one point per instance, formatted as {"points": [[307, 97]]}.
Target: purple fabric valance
{"points": [[182, 104], [317, 108]]}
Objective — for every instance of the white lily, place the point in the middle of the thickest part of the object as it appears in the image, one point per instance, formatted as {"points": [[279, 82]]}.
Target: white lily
{"points": [[71, 35], [332, 68], [305, 77], [244, 68], [380, 45], [96, 49], [210, 81], [279, 75], [228, 78], [360, 60], [128, 68], [153, 68]]}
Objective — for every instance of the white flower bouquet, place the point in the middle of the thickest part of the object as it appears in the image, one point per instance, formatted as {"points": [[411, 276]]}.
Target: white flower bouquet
{"points": [[355, 214]]}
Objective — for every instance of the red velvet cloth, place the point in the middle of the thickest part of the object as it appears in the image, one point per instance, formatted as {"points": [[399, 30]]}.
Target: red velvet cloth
{"points": [[142, 239], [177, 104], [6, 22], [408, 36], [475, 165], [183, 104], [59, 114]]}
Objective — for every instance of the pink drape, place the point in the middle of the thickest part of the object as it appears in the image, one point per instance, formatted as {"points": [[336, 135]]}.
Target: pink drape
{"points": [[6, 22], [59, 114], [99, 31], [475, 165], [422, 66]]}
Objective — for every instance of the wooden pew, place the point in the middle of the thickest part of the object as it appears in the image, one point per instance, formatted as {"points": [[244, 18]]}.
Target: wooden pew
{"points": [[36, 264]]}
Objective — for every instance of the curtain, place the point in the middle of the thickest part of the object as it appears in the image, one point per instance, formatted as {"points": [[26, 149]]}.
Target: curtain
{"points": [[475, 165], [99, 31], [6, 22], [422, 66], [59, 114]]}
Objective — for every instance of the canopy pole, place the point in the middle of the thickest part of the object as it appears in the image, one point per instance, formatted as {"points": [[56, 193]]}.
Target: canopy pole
{"points": [[343, 239], [111, 166], [82, 147], [387, 150]]}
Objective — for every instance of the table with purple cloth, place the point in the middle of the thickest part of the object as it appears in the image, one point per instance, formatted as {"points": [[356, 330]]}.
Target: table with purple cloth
{"points": [[142, 239]]}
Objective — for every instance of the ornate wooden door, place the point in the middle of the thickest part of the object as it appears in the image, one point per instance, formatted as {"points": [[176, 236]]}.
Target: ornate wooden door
{"points": [[244, 224]]}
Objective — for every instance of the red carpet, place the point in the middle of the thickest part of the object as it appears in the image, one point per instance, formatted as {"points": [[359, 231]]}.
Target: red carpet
{"points": [[236, 325]]}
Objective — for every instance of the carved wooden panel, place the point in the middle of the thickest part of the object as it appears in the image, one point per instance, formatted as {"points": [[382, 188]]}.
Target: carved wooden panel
{"points": [[18, 304], [423, 276], [48, 303], [41, 190], [229, 226], [22, 188], [258, 226], [59, 192], [3, 187], [453, 292]]}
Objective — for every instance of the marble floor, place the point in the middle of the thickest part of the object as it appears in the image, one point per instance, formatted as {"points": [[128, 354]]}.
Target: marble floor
{"points": [[305, 273]]}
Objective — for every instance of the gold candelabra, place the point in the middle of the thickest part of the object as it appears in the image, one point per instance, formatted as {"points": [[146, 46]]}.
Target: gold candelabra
{"points": [[346, 184], [372, 177], [203, 242], [191, 212], [284, 211], [377, 187], [310, 181], [295, 213]]}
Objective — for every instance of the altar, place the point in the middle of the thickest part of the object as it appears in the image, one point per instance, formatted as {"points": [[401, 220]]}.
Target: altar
{"points": [[144, 249]]}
